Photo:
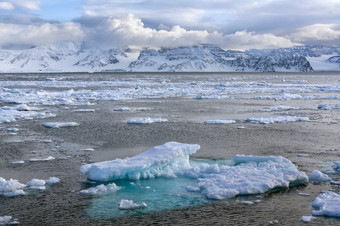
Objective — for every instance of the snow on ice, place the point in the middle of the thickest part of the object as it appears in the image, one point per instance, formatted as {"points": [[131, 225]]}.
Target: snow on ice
{"points": [[249, 175], [277, 119]]}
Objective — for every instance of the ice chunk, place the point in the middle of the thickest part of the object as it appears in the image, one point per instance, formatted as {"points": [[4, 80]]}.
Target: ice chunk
{"points": [[24, 107], [160, 161], [85, 110], [277, 119], [14, 193], [308, 218], [316, 175], [335, 182], [219, 121], [60, 124], [36, 184], [11, 115], [122, 109], [327, 204], [10, 185], [52, 180], [17, 162], [250, 175], [146, 120], [5, 220], [328, 106], [129, 205], [280, 108], [42, 159], [302, 155], [101, 189]]}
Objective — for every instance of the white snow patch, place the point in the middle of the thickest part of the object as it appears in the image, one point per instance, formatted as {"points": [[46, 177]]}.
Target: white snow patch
{"points": [[60, 124], [316, 175], [146, 120], [327, 204], [328, 106], [101, 189], [219, 121], [277, 119], [308, 218], [130, 205], [161, 161]]}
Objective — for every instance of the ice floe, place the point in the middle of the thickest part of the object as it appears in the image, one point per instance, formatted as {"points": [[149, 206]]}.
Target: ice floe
{"points": [[11, 114], [307, 218], [14, 193], [5, 220], [227, 121], [280, 108], [60, 124], [328, 106], [278, 119], [249, 175], [316, 175], [122, 109], [130, 205], [36, 184], [9, 185], [48, 158], [85, 110], [101, 189], [18, 162], [146, 120], [52, 181], [161, 161], [327, 204]]}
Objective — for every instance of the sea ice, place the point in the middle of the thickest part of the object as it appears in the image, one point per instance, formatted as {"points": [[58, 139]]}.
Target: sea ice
{"points": [[18, 162], [14, 193], [146, 120], [308, 218], [327, 204], [42, 159], [9, 185], [8, 114], [328, 106], [219, 121], [5, 220], [161, 161], [122, 109], [280, 108], [85, 110], [101, 189], [36, 184], [316, 175], [130, 205], [60, 124], [52, 180], [277, 119]]}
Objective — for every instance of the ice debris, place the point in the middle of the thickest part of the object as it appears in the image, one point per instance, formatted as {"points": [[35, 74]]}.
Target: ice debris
{"points": [[122, 109], [130, 205], [280, 108], [249, 175], [146, 120], [36, 184], [308, 218], [327, 204], [85, 110], [328, 106], [277, 119], [11, 114], [5, 220], [316, 175], [101, 189], [14, 193], [161, 161], [60, 124], [219, 121], [9, 185], [49, 158]]}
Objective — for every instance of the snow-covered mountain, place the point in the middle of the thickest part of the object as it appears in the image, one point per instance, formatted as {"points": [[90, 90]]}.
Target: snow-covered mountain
{"points": [[77, 57]]}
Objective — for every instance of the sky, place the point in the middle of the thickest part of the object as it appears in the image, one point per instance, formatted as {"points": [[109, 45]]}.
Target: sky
{"points": [[229, 24]]}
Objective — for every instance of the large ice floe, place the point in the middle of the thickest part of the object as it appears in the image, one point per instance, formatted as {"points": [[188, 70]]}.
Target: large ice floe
{"points": [[166, 173]]}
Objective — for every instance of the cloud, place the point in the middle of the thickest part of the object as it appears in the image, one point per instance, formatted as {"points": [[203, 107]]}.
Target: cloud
{"points": [[16, 34], [319, 32], [6, 6]]}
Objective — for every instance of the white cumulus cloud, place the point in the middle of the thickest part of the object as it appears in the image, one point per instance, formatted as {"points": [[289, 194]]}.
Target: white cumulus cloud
{"points": [[323, 32], [6, 6]]}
